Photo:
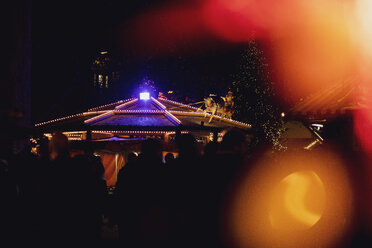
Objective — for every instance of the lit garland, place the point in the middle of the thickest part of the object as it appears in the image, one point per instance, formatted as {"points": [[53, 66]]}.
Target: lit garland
{"points": [[172, 117], [178, 103], [139, 111], [73, 138], [158, 103], [167, 113], [103, 114], [78, 135], [126, 104], [74, 132], [110, 104], [201, 114], [138, 132], [100, 117], [59, 119], [71, 135]]}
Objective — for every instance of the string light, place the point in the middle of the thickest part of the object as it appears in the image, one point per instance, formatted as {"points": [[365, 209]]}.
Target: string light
{"points": [[110, 104], [59, 119], [103, 114], [201, 114], [158, 103], [99, 117], [172, 117], [167, 113], [73, 138], [178, 103], [133, 100], [139, 111], [138, 132]]}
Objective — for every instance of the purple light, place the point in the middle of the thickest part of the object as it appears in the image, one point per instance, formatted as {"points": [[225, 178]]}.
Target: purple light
{"points": [[144, 96]]}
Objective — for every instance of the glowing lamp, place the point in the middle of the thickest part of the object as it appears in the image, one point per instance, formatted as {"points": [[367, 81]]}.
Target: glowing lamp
{"points": [[144, 96]]}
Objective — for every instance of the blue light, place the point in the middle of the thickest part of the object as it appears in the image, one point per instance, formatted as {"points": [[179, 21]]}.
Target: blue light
{"points": [[144, 96]]}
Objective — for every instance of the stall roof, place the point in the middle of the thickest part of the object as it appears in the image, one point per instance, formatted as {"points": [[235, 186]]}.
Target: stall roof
{"points": [[146, 115], [343, 96]]}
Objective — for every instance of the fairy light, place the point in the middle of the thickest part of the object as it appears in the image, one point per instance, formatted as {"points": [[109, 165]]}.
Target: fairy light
{"points": [[49, 135], [58, 119], [126, 104], [139, 111], [178, 103], [158, 103], [201, 114], [95, 112], [188, 113], [99, 117], [136, 132], [167, 113], [110, 104], [74, 132], [170, 114]]}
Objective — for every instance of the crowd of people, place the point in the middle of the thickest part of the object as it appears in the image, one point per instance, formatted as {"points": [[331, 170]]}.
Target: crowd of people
{"points": [[177, 203], [51, 198]]}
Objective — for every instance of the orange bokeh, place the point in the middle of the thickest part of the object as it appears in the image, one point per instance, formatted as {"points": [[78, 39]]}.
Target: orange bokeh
{"points": [[291, 200]]}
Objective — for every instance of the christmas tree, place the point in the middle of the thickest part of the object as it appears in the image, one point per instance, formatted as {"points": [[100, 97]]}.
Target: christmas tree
{"points": [[255, 97]]}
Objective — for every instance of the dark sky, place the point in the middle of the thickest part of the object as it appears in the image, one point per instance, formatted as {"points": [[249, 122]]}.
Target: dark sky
{"points": [[68, 35]]}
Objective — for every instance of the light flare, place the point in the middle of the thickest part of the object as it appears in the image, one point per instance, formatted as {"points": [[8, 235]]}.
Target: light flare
{"points": [[287, 200], [290, 200]]}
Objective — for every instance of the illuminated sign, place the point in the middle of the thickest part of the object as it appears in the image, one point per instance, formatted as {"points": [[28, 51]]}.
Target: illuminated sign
{"points": [[144, 96]]}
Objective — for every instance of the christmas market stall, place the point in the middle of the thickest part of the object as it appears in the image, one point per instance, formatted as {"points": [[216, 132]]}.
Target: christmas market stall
{"points": [[118, 128]]}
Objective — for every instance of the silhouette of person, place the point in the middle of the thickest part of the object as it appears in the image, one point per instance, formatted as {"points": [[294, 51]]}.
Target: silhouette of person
{"points": [[91, 202], [185, 193], [121, 191], [8, 195], [142, 199], [221, 174], [62, 193], [169, 159]]}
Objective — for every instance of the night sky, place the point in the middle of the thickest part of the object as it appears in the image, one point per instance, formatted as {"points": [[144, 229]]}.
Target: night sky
{"points": [[67, 36]]}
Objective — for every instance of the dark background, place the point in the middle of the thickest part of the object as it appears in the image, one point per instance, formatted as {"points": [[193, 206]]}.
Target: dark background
{"points": [[67, 36]]}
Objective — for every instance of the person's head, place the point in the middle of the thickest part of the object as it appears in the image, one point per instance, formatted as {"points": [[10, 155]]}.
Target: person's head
{"points": [[186, 145], [169, 157], [58, 145], [43, 147], [151, 148], [234, 141], [88, 149], [211, 149], [132, 157]]}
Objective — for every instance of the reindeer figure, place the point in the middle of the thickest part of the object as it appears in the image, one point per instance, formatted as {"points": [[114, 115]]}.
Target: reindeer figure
{"points": [[214, 105]]}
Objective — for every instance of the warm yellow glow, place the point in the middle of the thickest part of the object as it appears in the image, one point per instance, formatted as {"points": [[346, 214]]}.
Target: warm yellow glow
{"points": [[312, 144], [170, 92], [314, 50], [293, 199], [364, 24], [298, 201]]}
